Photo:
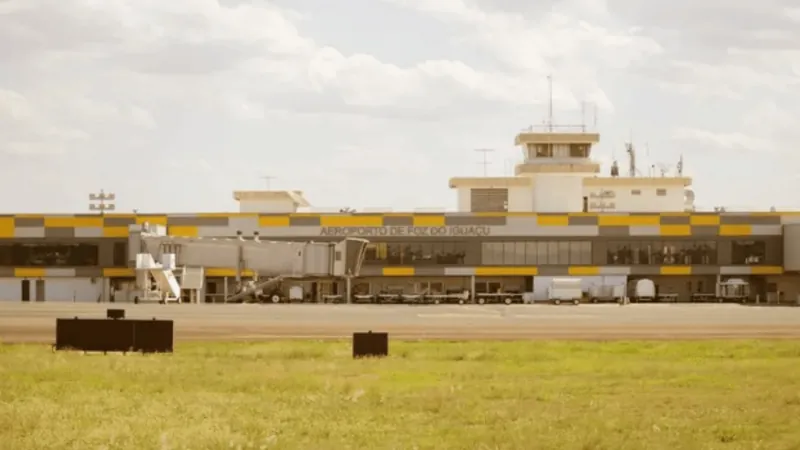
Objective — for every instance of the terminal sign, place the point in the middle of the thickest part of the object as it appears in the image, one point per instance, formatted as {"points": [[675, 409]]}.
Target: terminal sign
{"points": [[444, 231]]}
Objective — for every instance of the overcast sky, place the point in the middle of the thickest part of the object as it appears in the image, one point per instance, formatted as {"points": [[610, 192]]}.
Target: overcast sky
{"points": [[376, 103]]}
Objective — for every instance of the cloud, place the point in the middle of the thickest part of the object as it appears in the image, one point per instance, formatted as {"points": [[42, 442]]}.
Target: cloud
{"points": [[228, 90], [558, 41], [736, 141]]}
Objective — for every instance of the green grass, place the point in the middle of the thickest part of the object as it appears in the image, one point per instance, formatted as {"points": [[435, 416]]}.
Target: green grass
{"points": [[466, 395]]}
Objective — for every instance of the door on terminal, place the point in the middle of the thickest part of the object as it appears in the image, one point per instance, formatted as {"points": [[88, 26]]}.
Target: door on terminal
{"points": [[26, 290], [39, 290]]}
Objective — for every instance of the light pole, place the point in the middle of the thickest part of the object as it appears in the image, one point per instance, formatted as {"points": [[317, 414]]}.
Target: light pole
{"points": [[102, 202], [485, 162]]}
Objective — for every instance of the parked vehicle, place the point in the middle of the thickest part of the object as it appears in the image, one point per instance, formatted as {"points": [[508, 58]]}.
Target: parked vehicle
{"points": [[607, 293], [498, 297], [643, 290], [733, 290], [565, 290]]}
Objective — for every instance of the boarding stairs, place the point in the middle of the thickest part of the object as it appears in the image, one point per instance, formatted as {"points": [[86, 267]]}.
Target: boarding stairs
{"points": [[167, 289]]}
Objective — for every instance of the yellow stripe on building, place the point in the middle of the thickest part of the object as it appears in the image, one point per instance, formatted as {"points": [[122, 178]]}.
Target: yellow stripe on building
{"points": [[624, 220], [704, 220], [73, 222], [735, 230], [398, 271], [583, 270], [675, 270], [766, 270], [183, 231], [428, 221], [115, 232], [351, 221], [226, 272], [6, 227], [552, 221], [273, 221], [29, 272], [675, 230], [115, 272], [503, 271]]}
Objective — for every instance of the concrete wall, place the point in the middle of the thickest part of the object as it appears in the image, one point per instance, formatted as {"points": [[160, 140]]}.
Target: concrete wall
{"points": [[791, 247], [55, 289]]}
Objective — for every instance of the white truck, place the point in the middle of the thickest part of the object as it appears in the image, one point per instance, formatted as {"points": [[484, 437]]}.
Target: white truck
{"points": [[565, 290], [607, 293], [643, 290]]}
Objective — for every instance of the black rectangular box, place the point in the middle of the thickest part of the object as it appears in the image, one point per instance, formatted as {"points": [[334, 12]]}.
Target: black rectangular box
{"points": [[115, 313], [153, 336], [370, 344], [104, 335]]}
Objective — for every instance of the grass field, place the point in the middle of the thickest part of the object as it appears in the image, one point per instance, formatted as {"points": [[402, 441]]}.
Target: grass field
{"points": [[468, 395]]}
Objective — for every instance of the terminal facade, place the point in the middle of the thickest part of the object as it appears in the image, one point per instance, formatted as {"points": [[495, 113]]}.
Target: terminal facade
{"points": [[557, 217]]}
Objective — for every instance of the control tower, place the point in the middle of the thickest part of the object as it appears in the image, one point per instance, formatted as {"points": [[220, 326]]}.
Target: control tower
{"points": [[557, 162]]}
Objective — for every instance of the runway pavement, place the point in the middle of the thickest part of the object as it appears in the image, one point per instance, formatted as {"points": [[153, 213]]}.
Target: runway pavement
{"points": [[35, 322]]}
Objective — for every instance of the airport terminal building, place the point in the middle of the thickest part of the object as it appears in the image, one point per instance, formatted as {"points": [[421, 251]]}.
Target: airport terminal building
{"points": [[557, 217]]}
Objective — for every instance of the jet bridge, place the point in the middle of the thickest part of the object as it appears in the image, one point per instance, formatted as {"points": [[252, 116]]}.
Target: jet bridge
{"points": [[266, 259]]}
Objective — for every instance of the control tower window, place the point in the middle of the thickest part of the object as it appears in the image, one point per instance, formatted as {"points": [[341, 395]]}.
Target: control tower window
{"points": [[543, 151], [561, 151], [579, 151]]}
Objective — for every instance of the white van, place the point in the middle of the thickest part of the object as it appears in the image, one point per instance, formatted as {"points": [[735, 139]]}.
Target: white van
{"points": [[565, 290], [643, 290]]}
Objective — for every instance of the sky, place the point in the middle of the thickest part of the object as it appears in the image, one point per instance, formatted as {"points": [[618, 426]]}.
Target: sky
{"points": [[172, 105]]}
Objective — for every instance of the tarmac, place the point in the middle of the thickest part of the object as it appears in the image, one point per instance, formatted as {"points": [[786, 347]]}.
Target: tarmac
{"points": [[35, 322]]}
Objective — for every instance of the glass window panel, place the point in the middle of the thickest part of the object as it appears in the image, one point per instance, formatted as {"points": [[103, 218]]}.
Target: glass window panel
{"points": [[487, 254], [563, 252], [552, 253], [541, 253], [586, 252], [530, 254], [575, 252], [519, 254], [508, 253], [52, 254]]}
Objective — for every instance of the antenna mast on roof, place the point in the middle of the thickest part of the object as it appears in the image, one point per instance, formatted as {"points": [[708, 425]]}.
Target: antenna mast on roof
{"points": [[631, 159], [268, 179], [486, 161]]}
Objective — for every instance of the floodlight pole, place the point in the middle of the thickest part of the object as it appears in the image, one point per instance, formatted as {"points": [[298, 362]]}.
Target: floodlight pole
{"points": [[102, 202]]}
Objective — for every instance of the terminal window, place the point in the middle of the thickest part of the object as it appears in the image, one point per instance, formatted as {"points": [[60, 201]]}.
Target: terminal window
{"points": [[746, 252], [661, 252], [521, 253], [416, 253], [49, 255]]}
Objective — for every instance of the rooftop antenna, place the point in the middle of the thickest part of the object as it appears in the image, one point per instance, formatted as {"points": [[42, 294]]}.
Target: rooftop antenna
{"points": [[550, 114], [486, 161], [680, 166], [631, 159], [268, 180]]}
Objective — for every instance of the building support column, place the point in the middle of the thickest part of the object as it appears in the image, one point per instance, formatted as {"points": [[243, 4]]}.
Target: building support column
{"points": [[348, 289], [224, 289], [106, 289], [472, 288]]}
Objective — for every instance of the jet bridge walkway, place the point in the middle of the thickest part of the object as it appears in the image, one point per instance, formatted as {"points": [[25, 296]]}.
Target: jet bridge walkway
{"points": [[270, 260]]}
